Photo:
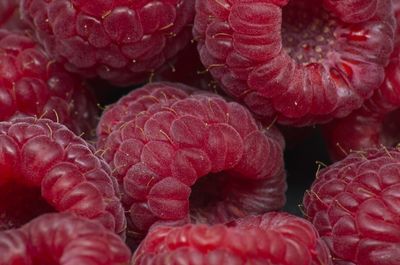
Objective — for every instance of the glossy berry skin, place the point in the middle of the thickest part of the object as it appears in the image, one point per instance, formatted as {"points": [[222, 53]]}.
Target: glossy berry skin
{"points": [[120, 41], [300, 62], [47, 168], [62, 239], [354, 205], [31, 84], [376, 123], [273, 239], [182, 155]]}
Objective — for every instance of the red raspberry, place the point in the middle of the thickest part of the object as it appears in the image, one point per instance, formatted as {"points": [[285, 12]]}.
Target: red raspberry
{"points": [[47, 168], [120, 41], [196, 143], [62, 239], [376, 123], [354, 204], [302, 63], [31, 84], [274, 238]]}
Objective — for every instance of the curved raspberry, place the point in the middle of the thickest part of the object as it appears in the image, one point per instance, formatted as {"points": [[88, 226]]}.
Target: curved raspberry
{"points": [[31, 84], [354, 205], [273, 238], [62, 239], [376, 123], [168, 155], [47, 168], [300, 62], [120, 41]]}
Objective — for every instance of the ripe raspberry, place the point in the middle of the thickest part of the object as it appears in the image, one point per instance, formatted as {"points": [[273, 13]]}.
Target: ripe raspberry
{"points": [[354, 204], [273, 238], [184, 144], [62, 239], [376, 123], [120, 41], [46, 168], [301, 62], [31, 84]]}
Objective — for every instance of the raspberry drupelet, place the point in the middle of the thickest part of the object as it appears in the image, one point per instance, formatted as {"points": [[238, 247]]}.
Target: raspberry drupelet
{"points": [[47, 168], [300, 62], [120, 41], [62, 239], [273, 239], [182, 156], [354, 205], [31, 84]]}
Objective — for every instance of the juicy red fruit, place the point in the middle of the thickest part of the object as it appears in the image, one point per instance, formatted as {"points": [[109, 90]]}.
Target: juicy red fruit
{"points": [[46, 168], [273, 238], [354, 205], [182, 155], [119, 41], [31, 84], [302, 62], [62, 239]]}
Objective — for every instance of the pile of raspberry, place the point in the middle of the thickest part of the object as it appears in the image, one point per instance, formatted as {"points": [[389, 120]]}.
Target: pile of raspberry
{"points": [[199, 132]]}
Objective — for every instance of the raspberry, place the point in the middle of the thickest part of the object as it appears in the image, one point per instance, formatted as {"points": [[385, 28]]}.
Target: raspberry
{"points": [[169, 154], [62, 239], [120, 41], [31, 84], [300, 62], [376, 123], [354, 205], [273, 238], [47, 168]]}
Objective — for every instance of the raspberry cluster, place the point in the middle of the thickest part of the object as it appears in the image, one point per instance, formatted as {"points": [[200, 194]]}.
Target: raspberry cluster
{"points": [[187, 132]]}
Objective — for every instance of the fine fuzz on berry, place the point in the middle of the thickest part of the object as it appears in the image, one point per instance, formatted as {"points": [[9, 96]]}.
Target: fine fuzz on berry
{"points": [[301, 62], [355, 205], [62, 239], [31, 84], [273, 238], [182, 155], [46, 168], [119, 41]]}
